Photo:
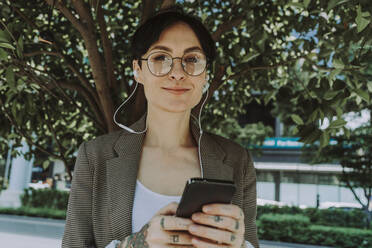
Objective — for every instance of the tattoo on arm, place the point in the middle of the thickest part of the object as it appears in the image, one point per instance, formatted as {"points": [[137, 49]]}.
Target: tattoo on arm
{"points": [[232, 237], [138, 239], [237, 225], [243, 244]]}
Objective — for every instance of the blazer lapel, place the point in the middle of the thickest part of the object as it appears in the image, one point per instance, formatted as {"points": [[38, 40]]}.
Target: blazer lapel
{"points": [[212, 156], [121, 178]]}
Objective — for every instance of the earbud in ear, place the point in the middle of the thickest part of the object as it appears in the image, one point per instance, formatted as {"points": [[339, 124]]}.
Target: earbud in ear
{"points": [[135, 73], [205, 87]]}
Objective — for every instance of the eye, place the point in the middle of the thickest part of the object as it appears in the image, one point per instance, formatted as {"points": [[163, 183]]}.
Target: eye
{"points": [[159, 58], [191, 59]]}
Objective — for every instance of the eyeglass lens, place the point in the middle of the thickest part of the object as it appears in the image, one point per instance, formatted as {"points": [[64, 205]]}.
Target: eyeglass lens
{"points": [[161, 63]]}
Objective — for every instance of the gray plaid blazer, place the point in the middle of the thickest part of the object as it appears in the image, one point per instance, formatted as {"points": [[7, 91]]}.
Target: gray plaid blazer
{"points": [[104, 181]]}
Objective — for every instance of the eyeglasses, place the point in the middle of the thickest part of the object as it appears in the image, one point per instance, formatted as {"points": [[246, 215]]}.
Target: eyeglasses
{"points": [[161, 63]]}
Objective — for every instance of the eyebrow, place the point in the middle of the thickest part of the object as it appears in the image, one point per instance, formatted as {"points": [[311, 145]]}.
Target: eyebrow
{"points": [[190, 49]]}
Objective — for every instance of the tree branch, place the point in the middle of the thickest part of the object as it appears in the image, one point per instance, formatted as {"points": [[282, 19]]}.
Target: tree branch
{"points": [[83, 11], [70, 64], [95, 60], [90, 41], [68, 14], [227, 26], [351, 188], [80, 89], [107, 47]]}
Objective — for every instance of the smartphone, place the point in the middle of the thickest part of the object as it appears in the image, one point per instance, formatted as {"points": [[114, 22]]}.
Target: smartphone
{"points": [[201, 191]]}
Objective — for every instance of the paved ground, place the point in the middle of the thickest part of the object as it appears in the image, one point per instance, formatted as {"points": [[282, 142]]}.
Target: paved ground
{"points": [[31, 232]]}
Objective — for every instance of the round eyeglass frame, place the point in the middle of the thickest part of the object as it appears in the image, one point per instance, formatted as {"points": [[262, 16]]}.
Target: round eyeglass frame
{"points": [[171, 66]]}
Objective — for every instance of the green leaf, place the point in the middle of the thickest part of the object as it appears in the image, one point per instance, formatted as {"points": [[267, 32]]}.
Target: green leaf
{"points": [[268, 97], [338, 64], [337, 123], [4, 37], [20, 47], [204, 16], [46, 164], [229, 71], [306, 3], [369, 85], [360, 19], [324, 139], [297, 5], [297, 119], [14, 110], [339, 111], [249, 57], [363, 94], [313, 115], [3, 55], [334, 3], [9, 75], [6, 45], [334, 73], [329, 95], [295, 131], [347, 132]]}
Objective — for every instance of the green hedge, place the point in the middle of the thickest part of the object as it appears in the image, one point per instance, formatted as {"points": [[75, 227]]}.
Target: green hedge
{"points": [[340, 236], [45, 198], [329, 217], [297, 229], [35, 212], [283, 227]]}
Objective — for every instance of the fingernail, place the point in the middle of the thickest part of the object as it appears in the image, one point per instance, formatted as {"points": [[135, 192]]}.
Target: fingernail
{"points": [[206, 209]]}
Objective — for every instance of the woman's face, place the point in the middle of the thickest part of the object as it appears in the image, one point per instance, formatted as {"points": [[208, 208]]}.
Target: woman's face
{"points": [[177, 91]]}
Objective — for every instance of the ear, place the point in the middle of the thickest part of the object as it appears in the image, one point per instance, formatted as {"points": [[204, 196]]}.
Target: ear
{"points": [[138, 76]]}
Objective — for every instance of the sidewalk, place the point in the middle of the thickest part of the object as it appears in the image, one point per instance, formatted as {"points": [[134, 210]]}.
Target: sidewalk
{"points": [[33, 232]]}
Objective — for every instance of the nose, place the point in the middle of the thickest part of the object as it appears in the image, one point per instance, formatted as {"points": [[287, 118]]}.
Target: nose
{"points": [[177, 72]]}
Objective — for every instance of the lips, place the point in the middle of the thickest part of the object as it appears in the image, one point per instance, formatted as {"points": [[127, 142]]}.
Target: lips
{"points": [[176, 91]]}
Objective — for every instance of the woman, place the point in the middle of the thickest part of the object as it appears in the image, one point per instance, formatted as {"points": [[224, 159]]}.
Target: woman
{"points": [[126, 183]]}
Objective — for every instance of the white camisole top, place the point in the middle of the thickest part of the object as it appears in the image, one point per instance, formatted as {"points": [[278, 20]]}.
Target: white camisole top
{"points": [[146, 204]]}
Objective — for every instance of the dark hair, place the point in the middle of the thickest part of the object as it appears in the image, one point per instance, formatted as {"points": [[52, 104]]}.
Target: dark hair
{"points": [[148, 33]]}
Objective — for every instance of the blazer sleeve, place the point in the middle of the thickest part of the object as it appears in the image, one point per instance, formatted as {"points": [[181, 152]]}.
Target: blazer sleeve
{"points": [[250, 200], [79, 229]]}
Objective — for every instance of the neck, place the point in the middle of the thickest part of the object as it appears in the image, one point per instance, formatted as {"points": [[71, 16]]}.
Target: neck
{"points": [[168, 130]]}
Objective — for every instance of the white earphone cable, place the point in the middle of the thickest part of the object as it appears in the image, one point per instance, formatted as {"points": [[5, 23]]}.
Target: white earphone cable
{"points": [[201, 134], [121, 125]]}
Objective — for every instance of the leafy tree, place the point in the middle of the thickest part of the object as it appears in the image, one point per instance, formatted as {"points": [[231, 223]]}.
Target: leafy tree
{"points": [[65, 66], [354, 154]]}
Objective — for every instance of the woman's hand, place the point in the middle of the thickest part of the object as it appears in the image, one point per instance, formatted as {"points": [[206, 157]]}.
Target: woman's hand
{"points": [[163, 230], [222, 225]]}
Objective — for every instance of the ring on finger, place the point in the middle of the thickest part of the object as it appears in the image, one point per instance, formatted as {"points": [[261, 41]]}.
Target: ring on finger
{"points": [[162, 222]]}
